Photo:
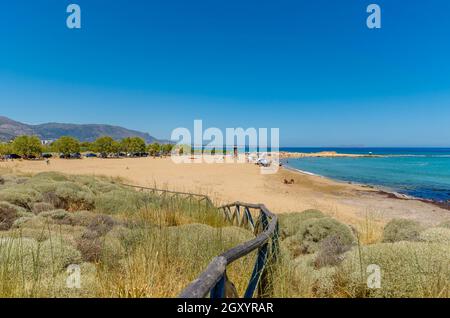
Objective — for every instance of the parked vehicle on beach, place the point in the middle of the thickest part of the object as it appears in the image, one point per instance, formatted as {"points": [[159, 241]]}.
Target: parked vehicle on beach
{"points": [[12, 156], [263, 162]]}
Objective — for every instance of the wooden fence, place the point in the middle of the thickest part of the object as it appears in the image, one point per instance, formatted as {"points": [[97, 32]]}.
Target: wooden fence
{"points": [[254, 217]]}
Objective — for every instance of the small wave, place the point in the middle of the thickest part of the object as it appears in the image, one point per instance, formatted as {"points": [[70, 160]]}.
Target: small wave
{"points": [[302, 171], [416, 156]]}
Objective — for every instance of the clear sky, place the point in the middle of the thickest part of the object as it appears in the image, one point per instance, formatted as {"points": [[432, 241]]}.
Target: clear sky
{"points": [[311, 68]]}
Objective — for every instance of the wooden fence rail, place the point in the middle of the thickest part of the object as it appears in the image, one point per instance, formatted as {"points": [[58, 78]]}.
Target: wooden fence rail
{"points": [[254, 217]]}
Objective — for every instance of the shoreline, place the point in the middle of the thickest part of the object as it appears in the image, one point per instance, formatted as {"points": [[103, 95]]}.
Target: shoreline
{"points": [[324, 154], [391, 193]]}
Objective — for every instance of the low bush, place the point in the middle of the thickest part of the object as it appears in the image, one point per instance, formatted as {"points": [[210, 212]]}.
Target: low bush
{"points": [[445, 224], [435, 235], [51, 176], [312, 281], [291, 223], [21, 196], [120, 201], [8, 214], [57, 254], [18, 258], [33, 259], [39, 207], [398, 230], [408, 269], [102, 224], [312, 233], [74, 197], [83, 218], [90, 247], [58, 216], [331, 252]]}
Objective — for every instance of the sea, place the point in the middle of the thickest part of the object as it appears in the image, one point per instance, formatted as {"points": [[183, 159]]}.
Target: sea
{"points": [[417, 172]]}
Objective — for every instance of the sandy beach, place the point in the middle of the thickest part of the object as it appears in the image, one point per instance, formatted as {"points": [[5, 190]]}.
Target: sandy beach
{"points": [[225, 182]]}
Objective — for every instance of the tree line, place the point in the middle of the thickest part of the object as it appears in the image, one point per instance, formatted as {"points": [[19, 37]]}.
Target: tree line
{"points": [[29, 147]]}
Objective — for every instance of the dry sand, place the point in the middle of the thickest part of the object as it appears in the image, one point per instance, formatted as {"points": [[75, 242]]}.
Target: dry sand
{"points": [[243, 182]]}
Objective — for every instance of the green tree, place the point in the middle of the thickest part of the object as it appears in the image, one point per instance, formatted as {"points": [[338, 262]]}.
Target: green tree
{"points": [[105, 145], [5, 149], [133, 145], [47, 148], [85, 146], [115, 148], [27, 146], [154, 148], [167, 149], [66, 145]]}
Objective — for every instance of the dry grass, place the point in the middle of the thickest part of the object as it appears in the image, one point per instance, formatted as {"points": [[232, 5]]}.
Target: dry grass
{"points": [[130, 244], [135, 244]]}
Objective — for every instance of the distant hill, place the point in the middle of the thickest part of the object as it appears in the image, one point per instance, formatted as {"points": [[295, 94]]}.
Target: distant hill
{"points": [[10, 129]]}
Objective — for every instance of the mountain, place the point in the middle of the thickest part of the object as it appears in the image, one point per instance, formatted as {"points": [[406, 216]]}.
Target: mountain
{"points": [[10, 129]]}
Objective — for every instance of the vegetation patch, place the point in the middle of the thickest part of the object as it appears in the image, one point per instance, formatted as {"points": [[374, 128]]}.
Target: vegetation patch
{"points": [[408, 269], [435, 235], [401, 230], [313, 231], [291, 223]]}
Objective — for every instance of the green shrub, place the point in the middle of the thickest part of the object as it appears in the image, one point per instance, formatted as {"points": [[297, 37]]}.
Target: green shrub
{"points": [[58, 216], [83, 218], [50, 176], [21, 196], [408, 269], [90, 247], [10, 179], [58, 254], [102, 224], [58, 285], [112, 249], [331, 252], [120, 201], [21, 221], [445, 224], [19, 257], [435, 235], [313, 231], [398, 230], [311, 281], [39, 207], [291, 223], [30, 258], [97, 185], [74, 197], [8, 214]]}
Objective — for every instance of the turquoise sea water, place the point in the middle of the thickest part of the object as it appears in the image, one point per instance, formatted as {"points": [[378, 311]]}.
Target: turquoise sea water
{"points": [[422, 173]]}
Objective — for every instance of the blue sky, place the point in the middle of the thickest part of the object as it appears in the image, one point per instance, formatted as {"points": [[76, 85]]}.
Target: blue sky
{"points": [[311, 68]]}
